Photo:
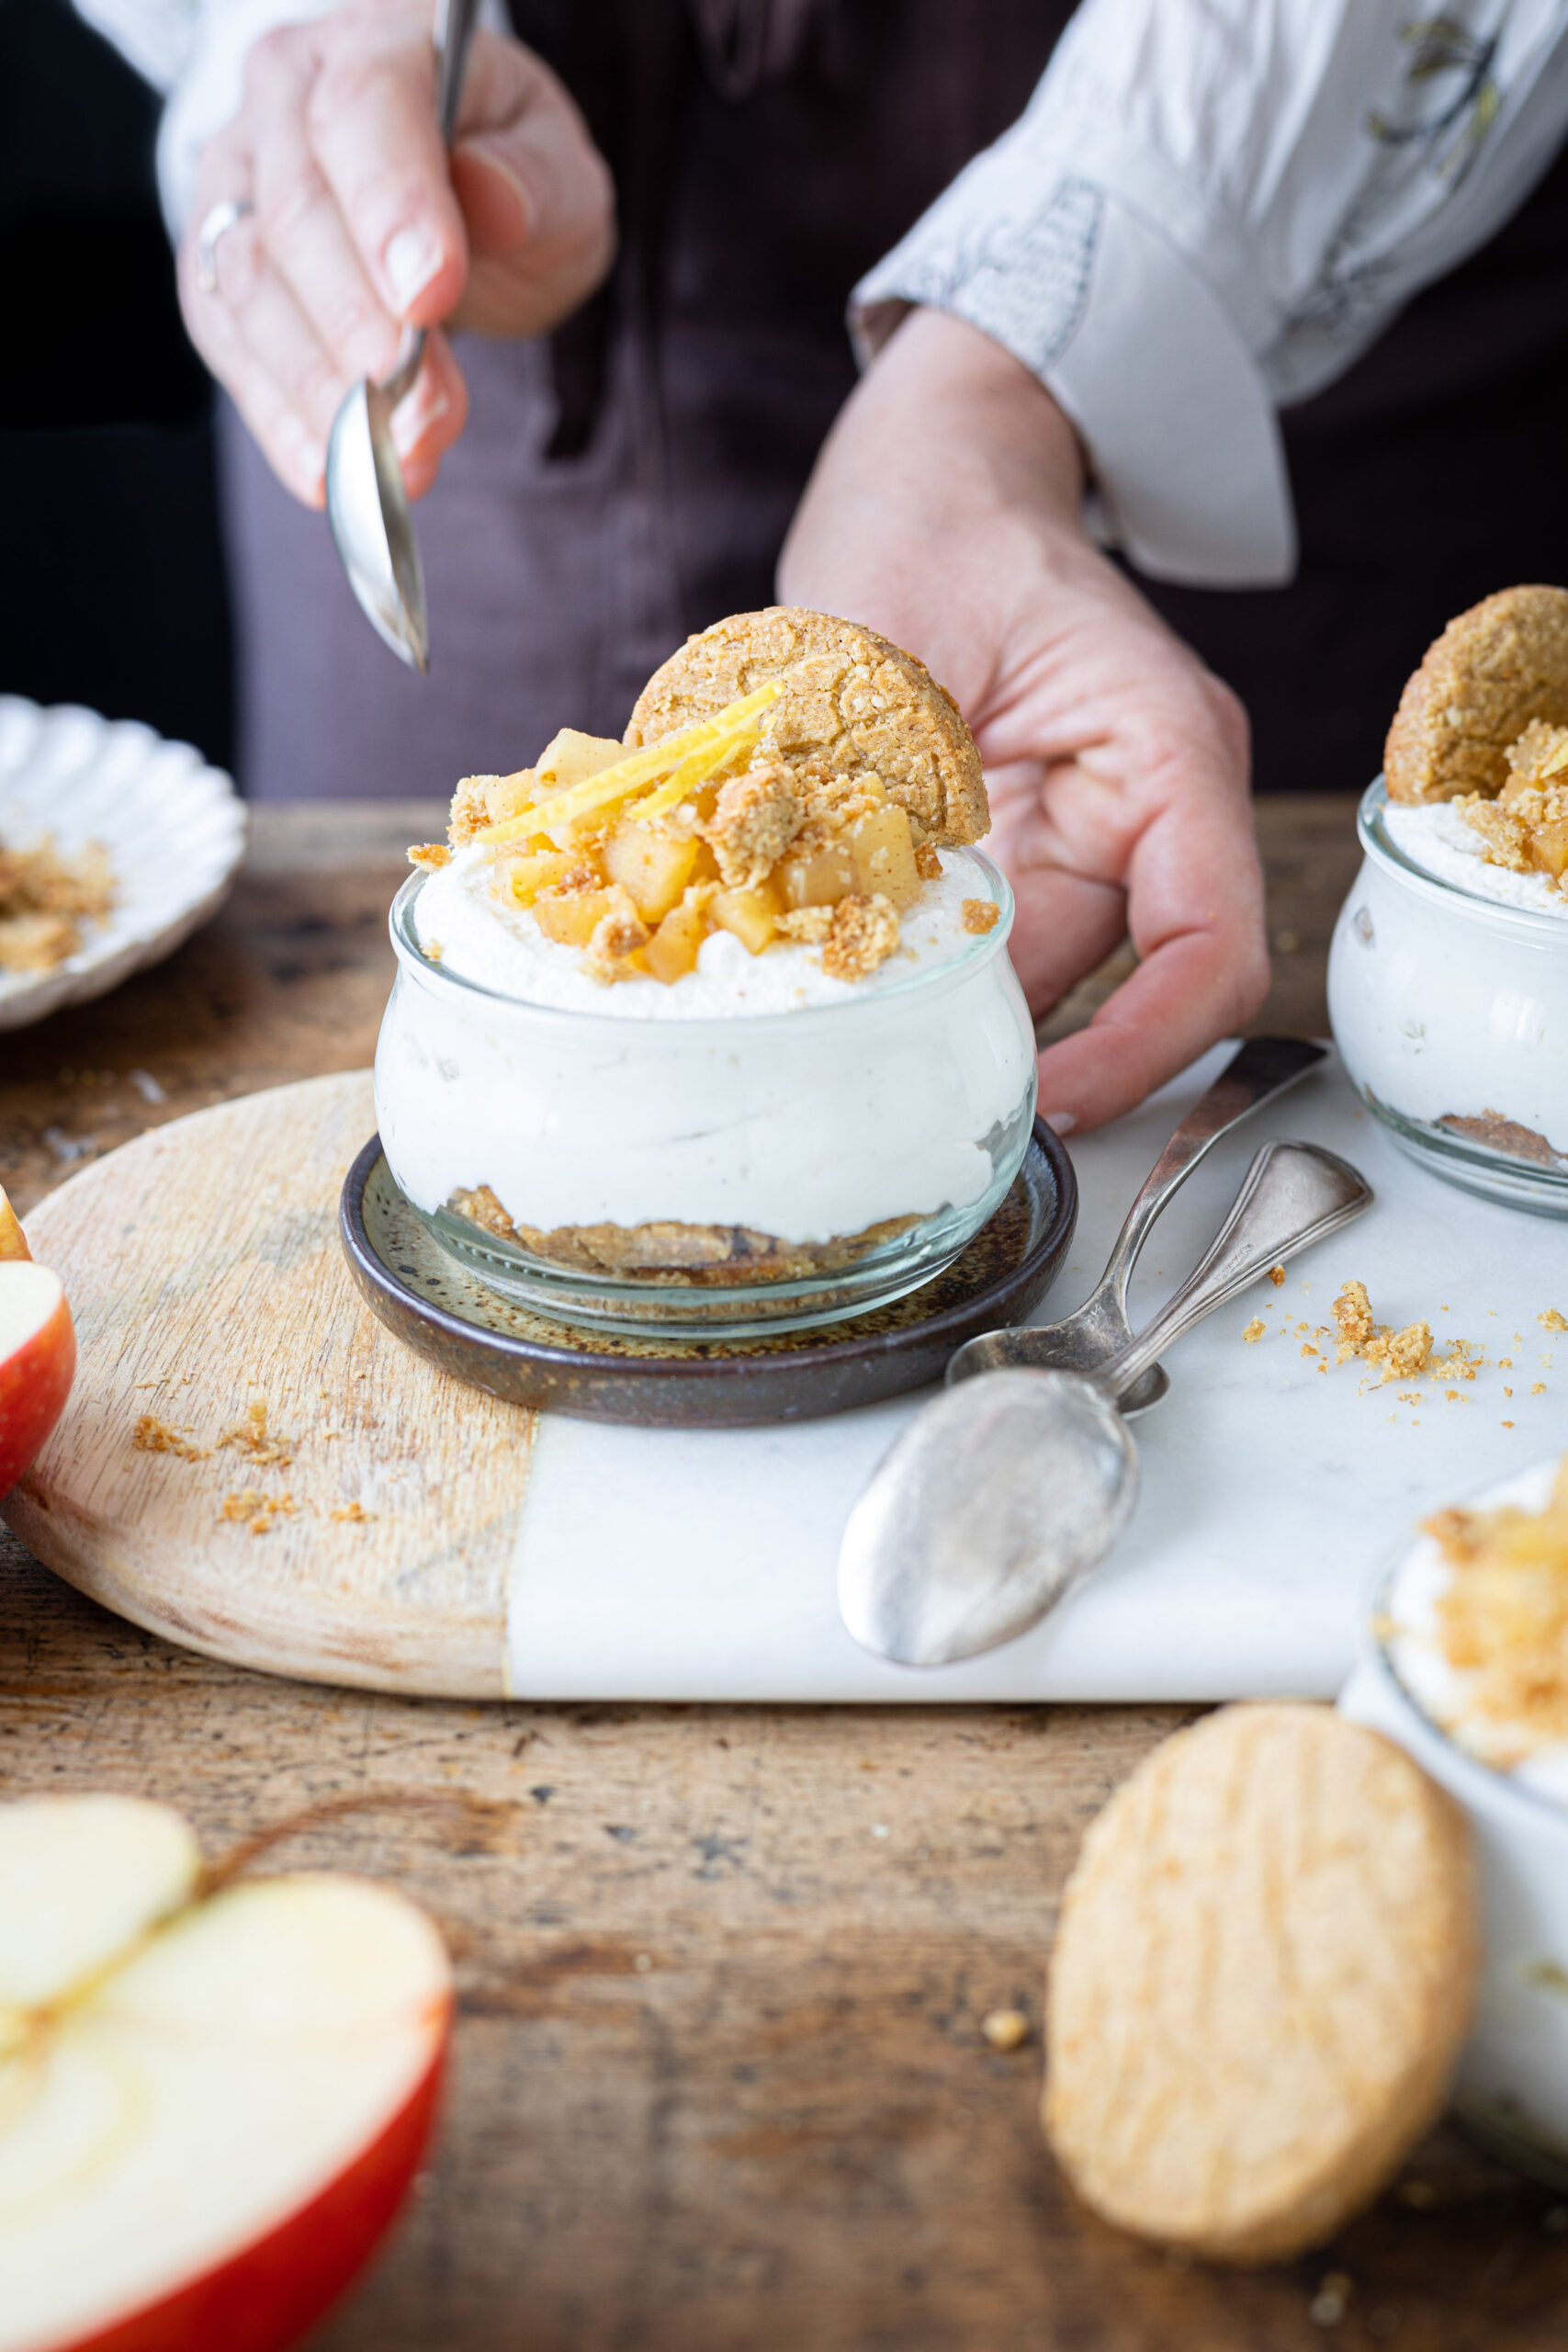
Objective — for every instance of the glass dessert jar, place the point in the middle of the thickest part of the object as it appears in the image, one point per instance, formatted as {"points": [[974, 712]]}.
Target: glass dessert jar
{"points": [[1449, 1007], [708, 1177], [1513, 2074]]}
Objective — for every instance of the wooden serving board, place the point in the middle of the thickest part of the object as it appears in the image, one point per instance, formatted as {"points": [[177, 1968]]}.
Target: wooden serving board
{"points": [[204, 1273], [508, 1553]]}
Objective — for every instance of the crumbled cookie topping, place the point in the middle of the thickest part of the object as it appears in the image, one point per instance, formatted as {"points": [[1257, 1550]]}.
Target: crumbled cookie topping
{"points": [[754, 821], [636, 856], [1403, 1354], [810, 926], [257, 1512], [44, 900], [615, 937], [152, 1436], [1503, 1618], [864, 933], [429, 853], [251, 1438]]}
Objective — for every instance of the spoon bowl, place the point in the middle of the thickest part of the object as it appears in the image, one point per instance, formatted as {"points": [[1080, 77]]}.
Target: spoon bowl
{"points": [[1032, 1473], [1055, 1347], [1006, 1488], [367, 508]]}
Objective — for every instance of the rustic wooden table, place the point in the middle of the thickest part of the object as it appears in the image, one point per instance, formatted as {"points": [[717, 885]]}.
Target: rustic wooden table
{"points": [[720, 2079]]}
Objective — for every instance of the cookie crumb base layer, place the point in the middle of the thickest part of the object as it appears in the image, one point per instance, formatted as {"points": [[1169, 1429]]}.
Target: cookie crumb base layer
{"points": [[1506, 1136], [666, 1250]]}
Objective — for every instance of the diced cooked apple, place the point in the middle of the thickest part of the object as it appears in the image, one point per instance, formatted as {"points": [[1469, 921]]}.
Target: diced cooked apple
{"points": [[748, 914], [1550, 842], [815, 877], [505, 794], [672, 951], [570, 757], [540, 871], [884, 851], [653, 867], [572, 919]]}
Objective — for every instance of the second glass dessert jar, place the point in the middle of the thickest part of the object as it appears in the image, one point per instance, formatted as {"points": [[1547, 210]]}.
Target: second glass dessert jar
{"points": [[708, 1178], [1450, 1013]]}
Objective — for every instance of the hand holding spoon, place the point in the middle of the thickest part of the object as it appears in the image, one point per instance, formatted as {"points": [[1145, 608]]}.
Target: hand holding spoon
{"points": [[1006, 1488], [367, 505]]}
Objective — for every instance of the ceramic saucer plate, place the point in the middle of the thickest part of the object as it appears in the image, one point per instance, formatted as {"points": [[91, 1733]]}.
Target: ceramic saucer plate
{"points": [[174, 828], [434, 1307]]}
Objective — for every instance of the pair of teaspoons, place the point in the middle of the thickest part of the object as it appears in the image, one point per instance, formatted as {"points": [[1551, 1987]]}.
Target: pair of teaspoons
{"points": [[1004, 1490]]}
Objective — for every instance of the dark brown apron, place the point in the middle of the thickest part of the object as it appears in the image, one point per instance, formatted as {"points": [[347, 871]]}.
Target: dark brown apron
{"points": [[630, 479]]}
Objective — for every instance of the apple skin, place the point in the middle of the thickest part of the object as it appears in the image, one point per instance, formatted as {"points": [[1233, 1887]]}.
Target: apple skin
{"points": [[13, 1240], [268, 2293], [34, 1382]]}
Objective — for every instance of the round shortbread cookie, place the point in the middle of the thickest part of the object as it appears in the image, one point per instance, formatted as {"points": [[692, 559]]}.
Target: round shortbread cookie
{"points": [[851, 702], [1492, 670], [1266, 1965]]}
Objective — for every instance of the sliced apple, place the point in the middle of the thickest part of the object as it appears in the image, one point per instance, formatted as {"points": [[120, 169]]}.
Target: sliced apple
{"points": [[13, 1240], [37, 1363], [211, 2107]]}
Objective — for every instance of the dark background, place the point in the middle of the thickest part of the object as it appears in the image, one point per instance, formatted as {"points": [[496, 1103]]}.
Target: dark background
{"points": [[111, 589], [1430, 475]]}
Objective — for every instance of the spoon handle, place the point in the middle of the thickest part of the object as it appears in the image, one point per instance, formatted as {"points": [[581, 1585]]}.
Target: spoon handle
{"points": [[454, 22], [1260, 1067], [1295, 1194]]}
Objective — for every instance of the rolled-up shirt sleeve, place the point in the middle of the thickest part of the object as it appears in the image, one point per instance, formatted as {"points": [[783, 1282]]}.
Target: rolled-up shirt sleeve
{"points": [[1208, 210]]}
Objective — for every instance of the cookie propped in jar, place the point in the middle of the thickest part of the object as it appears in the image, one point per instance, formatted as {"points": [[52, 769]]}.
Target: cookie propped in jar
{"points": [[1493, 670]]}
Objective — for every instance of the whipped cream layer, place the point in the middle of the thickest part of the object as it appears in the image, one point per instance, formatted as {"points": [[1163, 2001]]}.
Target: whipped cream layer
{"points": [[1445, 1007], [638, 1104], [489, 939], [1442, 1690], [1438, 840]]}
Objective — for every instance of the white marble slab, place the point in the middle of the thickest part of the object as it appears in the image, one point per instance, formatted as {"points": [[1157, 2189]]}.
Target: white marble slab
{"points": [[700, 1565]]}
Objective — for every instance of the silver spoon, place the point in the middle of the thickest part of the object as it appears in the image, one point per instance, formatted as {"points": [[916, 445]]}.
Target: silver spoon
{"points": [[367, 505], [1097, 1331], [1003, 1490]]}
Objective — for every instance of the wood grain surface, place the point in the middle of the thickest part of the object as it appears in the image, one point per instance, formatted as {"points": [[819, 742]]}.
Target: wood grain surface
{"points": [[720, 2081], [247, 1463]]}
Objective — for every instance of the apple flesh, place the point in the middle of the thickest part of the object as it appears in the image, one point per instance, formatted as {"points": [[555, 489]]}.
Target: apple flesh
{"points": [[211, 2107], [38, 1361]]}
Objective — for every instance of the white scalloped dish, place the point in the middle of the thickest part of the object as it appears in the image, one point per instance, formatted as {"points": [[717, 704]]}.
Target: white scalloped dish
{"points": [[174, 829]]}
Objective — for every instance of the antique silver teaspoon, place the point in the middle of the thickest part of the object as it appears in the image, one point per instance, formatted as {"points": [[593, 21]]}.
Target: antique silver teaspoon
{"points": [[1084, 1340], [367, 505], [1006, 1488]]}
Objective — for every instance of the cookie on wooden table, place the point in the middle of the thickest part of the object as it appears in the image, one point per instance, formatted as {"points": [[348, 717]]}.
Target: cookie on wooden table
{"points": [[853, 702], [1265, 1968], [1492, 670]]}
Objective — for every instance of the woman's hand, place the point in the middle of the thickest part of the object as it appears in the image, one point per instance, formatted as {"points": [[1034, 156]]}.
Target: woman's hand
{"points": [[362, 224], [944, 510]]}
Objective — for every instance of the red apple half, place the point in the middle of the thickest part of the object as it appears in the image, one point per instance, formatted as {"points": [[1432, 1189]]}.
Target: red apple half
{"points": [[13, 1240], [211, 2107], [38, 1361]]}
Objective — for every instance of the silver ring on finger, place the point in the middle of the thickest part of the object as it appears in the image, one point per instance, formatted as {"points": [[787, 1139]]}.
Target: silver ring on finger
{"points": [[224, 216]]}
